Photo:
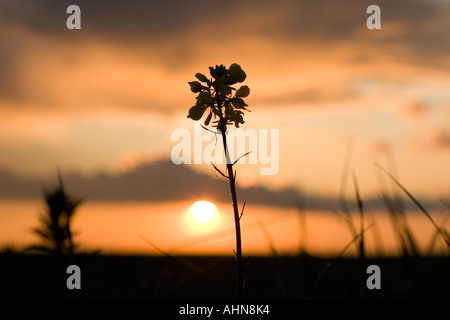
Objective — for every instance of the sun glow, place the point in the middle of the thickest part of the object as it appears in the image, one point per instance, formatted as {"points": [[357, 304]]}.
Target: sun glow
{"points": [[203, 211]]}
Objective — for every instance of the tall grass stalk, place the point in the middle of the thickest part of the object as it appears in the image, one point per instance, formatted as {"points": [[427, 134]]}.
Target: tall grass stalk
{"points": [[417, 203], [395, 209], [361, 216], [345, 208]]}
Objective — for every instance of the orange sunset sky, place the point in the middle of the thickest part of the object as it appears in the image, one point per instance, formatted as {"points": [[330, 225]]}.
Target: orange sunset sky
{"points": [[105, 99]]}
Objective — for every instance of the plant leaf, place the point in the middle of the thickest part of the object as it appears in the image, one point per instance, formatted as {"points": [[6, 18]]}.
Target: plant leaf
{"points": [[202, 99], [196, 112], [201, 77], [239, 103], [195, 86], [224, 89], [235, 73], [208, 119], [243, 92], [206, 98], [236, 116], [238, 119], [229, 108]]}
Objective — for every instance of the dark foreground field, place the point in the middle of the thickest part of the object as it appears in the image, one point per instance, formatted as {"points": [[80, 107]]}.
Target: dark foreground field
{"points": [[145, 277]]}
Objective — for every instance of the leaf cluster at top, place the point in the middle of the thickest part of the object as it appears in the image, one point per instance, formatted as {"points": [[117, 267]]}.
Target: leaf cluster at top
{"points": [[217, 94]]}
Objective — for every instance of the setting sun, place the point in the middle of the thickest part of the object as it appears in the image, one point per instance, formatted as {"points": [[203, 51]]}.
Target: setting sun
{"points": [[203, 211]]}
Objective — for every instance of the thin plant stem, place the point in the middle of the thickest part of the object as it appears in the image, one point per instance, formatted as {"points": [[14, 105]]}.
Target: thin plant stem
{"points": [[231, 178]]}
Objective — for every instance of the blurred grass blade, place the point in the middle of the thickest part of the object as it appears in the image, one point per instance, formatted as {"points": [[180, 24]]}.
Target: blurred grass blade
{"points": [[417, 203], [361, 215], [395, 210], [355, 238], [345, 173]]}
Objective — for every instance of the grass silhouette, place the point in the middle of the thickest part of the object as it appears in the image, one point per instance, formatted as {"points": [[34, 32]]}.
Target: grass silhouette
{"points": [[173, 276], [55, 230], [438, 229]]}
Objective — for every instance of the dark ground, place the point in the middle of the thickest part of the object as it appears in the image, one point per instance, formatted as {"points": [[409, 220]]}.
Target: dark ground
{"points": [[213, 277]]}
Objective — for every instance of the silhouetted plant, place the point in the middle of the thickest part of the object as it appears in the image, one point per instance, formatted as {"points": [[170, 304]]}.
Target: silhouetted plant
{"points": [[55, 230], [226, 104]]}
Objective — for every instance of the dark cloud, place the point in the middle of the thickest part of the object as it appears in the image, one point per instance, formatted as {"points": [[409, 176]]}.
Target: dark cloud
{"points": [[164, 181], [156, 181], [425, 24], [121, 20], [177, 35], [13, 50], [313, 96], [162, 18]]}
